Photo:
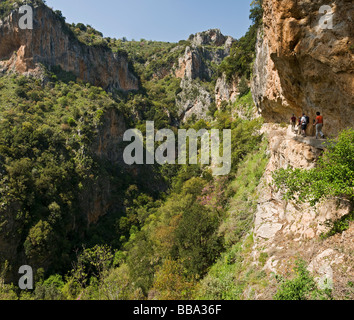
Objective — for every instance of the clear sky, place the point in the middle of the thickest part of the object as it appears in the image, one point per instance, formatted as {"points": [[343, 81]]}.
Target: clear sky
{"points": [[160, 20]]}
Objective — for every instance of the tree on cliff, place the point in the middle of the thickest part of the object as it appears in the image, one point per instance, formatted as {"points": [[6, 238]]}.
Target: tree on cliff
{"points": [[256, 14], [242, 52]]}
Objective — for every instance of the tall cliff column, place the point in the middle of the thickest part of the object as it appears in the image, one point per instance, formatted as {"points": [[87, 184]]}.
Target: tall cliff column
{"points": [[302, 67]]}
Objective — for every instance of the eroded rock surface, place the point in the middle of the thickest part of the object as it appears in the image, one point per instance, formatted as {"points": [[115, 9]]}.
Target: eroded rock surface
{"points": [[226, 90], [51, 43], [207, 50], [301, 67], [286, 230]]}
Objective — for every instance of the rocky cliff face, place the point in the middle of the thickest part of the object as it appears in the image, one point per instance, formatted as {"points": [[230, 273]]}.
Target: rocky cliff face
{"points": [[302, 67], [207, 50], [50, 43], [225, 90], [193, 100], [211, 37], [206, 47], [285, 231]]}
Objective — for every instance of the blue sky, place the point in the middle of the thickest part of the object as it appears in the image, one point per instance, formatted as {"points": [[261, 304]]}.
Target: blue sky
{"points": [[161, 20]]}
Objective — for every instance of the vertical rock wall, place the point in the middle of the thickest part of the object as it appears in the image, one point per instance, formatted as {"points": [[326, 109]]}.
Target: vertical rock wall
{"points": [[51, 43], [302, 67]]}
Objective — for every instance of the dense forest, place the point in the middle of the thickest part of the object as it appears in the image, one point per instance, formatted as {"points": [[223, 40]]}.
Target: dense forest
{"points": [[156, 244]]}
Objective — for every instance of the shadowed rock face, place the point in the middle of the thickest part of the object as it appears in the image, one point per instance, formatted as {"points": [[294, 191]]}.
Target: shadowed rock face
{"points": [[51, 44], [301, 67]]}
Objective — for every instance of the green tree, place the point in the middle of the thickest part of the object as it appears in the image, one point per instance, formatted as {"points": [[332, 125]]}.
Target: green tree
{"points": [[171, 284], [243, 87], [197, 244], [256, 14], [116, 285], [242, 53], [332, 177], [39, 242], [50, 289], [302, 287]]}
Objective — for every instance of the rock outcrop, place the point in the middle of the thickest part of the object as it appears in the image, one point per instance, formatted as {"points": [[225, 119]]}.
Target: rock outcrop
{"points": [[302, 67], [193, 100], [196, 62], [285, 231], [212, 37], [207, 50], [51, 43], [225, 90]]}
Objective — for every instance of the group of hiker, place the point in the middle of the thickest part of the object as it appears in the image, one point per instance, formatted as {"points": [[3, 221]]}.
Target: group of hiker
{"points": [[300, 125]]}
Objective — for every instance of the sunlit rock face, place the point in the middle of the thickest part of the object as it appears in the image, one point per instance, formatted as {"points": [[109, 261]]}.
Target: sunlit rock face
{"points": [[50, 43], [286, 230], [206, 51], [302, 67]]}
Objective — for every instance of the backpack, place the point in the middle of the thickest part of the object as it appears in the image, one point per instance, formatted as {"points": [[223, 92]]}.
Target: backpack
{"points": [[307, 119]]}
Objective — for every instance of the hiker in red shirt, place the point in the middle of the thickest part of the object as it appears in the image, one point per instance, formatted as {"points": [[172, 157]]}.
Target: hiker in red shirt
{"points": [[293, 122], [319, 125]]}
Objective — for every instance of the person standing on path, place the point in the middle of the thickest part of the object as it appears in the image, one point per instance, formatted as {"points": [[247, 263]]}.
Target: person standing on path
{"points": [[313, 130], [319, 125], [293, 122], [303, 124]]}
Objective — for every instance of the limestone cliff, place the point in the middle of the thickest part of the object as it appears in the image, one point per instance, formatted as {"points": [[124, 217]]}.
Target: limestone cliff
{"points": [[206, 51], [226, 90], [302, 67], [51, 43], [193, 100], [285, 231], [211, 37]]}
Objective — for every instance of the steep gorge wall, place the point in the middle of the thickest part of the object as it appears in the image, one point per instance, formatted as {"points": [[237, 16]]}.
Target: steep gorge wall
{"points": [[52, 44], [206, 51], [287, 230], [301, 67]]}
